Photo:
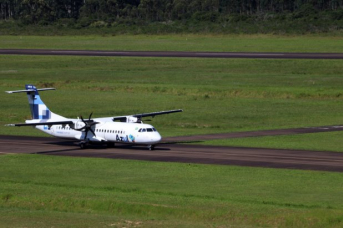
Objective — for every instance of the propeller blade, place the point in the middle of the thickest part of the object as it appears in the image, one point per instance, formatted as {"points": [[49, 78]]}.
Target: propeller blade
{"points": [[93, 123], [92, 131], [87, 126], [85, 135]]}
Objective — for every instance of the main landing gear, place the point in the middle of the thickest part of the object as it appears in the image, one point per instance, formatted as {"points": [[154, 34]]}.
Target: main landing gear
{"points": [[83, 145], [111, 145], [151, 147]]}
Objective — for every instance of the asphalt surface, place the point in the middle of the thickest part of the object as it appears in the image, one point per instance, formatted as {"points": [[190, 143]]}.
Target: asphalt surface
{"points": [[169, 151], [290, 131], [178, 54]]}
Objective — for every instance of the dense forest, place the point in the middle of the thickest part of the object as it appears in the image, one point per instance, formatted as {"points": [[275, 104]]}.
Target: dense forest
{"points": [[319, 15]]}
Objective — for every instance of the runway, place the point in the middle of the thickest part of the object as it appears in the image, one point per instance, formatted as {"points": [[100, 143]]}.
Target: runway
{"points": [[185, 153], [178, 54]]}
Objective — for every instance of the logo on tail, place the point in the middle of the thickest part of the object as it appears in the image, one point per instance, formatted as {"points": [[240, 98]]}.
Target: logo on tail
{"points": [[38, 109]]}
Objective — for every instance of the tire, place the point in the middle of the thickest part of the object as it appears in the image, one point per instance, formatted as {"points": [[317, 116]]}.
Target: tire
{"points": [[83, 146], [151, 147], [111, 145]]}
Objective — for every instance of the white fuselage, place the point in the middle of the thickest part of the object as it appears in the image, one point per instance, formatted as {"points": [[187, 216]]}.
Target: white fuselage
{"points": [[117, 132]]}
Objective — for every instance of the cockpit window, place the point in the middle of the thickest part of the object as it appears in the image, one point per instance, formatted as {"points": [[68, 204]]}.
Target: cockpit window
{"points": [[146, 130]]}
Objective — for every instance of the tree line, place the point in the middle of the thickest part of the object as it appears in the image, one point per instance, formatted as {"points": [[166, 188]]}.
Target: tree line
{"points": [[109, 11]]}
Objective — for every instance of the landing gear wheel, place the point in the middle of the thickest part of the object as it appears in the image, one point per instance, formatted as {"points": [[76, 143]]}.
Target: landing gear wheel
{"points": [[83, 145], [111, 145], [151, 147]]}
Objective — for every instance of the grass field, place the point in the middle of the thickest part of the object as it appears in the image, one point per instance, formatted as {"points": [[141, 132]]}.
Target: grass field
{"points": [[217, 95], [50, 191], [185, 42]]}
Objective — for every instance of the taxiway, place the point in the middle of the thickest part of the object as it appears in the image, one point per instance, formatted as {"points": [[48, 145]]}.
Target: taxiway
{"points": [[180, 152], [178, 54]]}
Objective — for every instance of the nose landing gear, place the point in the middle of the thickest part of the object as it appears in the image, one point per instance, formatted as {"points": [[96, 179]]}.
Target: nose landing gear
{"points": [[151, 147]]}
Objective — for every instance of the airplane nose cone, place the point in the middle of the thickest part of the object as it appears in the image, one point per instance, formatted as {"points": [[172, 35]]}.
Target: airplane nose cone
{"points": [[156, 138]]}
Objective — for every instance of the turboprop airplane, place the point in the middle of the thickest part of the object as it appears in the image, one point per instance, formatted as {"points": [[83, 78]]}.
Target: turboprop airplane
{"points": [[119, 129]]}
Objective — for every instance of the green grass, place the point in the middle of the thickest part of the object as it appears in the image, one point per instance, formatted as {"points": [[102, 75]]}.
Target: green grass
{"points": [[41, 191], [183, 42]]}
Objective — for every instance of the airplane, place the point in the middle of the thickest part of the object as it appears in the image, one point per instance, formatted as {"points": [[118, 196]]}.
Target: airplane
{"points": [[110, 130]]}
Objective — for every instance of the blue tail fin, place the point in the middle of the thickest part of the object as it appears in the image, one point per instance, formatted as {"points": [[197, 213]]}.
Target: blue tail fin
{"points": [[38, 109]]}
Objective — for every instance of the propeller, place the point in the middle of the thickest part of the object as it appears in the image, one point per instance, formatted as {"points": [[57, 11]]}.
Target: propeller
{"points": [[88, 126]]}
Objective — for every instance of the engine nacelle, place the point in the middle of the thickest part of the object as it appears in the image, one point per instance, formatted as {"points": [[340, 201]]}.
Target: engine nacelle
{"points": [[131, 119], [78, 124], [97, 139], [128, 119]]}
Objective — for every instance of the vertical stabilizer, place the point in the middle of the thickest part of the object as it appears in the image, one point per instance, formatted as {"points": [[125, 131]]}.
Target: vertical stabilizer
{"points": [[37, 107], [39, 111]]}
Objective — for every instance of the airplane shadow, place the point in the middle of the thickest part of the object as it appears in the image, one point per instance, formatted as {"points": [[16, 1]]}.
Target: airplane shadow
{"points": [[55, 151], [181, 142], [101, 146]]}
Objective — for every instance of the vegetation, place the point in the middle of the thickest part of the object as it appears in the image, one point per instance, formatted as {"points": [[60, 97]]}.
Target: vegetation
{"points": [[184, 42], [41, 191], [170, 16]]}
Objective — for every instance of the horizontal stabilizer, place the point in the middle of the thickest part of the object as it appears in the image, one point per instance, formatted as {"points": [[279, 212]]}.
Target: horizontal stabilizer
{"points": [[29, 90]]}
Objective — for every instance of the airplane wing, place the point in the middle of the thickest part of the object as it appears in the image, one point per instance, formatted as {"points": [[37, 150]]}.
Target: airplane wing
{"points": [[40, 123], [153, 114], [130, 118], [139, 116]]}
